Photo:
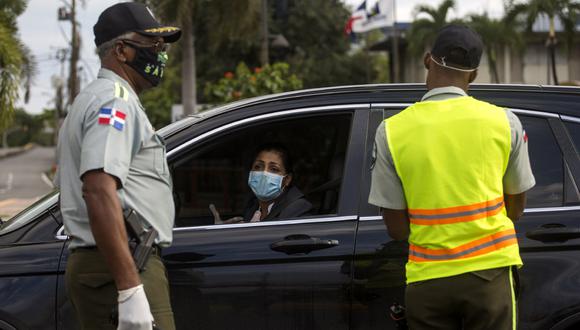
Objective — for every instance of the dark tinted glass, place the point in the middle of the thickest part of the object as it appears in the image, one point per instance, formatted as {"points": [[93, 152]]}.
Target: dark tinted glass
{"points": [[216, 172], [574, 131], [546, 161]]}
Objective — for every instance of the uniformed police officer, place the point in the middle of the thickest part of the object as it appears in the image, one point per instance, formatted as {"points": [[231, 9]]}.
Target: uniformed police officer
{"points": [[109, 160], [450, 175]]}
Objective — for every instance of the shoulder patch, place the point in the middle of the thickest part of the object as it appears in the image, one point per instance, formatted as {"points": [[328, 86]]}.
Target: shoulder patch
{"points": [[112, 117], [121, 92]]}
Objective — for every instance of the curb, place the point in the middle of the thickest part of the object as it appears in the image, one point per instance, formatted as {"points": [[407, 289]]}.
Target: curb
{"points": [[25, 148]]}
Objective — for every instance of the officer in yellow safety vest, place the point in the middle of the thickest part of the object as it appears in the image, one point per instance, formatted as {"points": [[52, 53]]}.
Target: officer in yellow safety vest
{"points": [[450, 175]]}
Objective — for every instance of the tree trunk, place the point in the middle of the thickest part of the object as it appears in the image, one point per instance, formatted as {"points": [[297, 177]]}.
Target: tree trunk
{"points": [[493, 66], [188, 75], [552, 49], [264, 55]]}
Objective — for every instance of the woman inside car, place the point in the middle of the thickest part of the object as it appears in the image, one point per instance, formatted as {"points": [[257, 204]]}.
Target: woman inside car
{"points": [[270, 179]]}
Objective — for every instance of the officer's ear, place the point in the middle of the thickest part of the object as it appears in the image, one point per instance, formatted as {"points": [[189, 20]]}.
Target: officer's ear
{"points": [[472, 76], [427, 60], [120, 51]]}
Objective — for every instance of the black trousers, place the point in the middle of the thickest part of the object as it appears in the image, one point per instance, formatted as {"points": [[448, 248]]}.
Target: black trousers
{"points": [[482, 300]]}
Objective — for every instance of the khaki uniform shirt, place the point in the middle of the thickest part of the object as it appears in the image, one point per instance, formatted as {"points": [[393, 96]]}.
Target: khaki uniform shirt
{"points": [[386, 187], [107, 129]]}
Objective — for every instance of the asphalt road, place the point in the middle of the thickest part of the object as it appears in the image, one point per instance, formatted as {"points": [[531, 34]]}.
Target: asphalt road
{"points": [[22, 179]]}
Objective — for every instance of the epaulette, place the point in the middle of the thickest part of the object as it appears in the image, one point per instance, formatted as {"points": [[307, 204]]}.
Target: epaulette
{"points": [[121, 92]]}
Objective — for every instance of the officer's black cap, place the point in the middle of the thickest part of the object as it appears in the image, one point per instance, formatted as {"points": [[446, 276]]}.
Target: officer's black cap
{"points": [[131, 17], [458, 46]]}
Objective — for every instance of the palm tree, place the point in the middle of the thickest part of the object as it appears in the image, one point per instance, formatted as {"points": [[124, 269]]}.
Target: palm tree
{"points": [[16, 62], [227, 18], [424, 30], [565, 10], [495, 34]]}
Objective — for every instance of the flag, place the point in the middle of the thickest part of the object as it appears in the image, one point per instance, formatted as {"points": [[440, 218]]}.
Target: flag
{"points": [[112, 117], [381, 15], [359, 14]]}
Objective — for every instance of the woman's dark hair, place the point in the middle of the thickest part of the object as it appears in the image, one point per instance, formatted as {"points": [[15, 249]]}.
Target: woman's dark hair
{"points": [[281, 150]]}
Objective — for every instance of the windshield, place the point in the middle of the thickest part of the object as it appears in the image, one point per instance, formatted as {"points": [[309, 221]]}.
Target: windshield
{"points": [[30, 213]]}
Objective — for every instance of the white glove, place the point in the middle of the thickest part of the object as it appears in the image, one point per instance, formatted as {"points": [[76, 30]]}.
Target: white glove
{"points": [[134, 312]]}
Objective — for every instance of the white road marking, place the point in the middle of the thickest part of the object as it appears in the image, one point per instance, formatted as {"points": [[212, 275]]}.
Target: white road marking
{"points": [[46, 180], [9, 182]]}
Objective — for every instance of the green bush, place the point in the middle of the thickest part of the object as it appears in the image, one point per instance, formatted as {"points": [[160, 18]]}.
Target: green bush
{"points": [[244, 83]]}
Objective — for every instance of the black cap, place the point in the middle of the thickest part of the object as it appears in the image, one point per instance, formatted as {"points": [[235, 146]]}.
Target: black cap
{"points": [[131, 17], [457, 47]]}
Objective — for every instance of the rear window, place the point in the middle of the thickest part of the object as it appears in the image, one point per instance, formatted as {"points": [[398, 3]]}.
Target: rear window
{"points": [[574, 131], [547, 164]]}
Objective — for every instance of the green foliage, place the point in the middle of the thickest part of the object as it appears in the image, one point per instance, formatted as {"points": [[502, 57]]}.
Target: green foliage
{"points": [[275, 78], [27, 128], [16, 62], [424, 29]]}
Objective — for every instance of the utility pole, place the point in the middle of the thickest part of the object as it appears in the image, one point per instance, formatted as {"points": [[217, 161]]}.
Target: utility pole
{"points": [[396, 78], [264, 56], [75, 41], [58, 82]]}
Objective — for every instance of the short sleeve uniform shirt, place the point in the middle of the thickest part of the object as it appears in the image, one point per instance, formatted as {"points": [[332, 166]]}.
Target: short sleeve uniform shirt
{"points": [[107, 129]]}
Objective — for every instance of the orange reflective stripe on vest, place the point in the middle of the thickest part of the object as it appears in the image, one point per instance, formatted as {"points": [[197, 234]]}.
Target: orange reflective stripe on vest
{"points": [[448, 215], [478, 247]]}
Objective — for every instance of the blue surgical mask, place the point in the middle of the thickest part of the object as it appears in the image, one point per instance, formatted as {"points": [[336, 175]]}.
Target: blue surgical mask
{"points": [[266, 186]]}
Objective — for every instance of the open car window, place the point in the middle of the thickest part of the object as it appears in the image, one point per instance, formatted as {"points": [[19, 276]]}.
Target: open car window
{"points": [[215, 171]]}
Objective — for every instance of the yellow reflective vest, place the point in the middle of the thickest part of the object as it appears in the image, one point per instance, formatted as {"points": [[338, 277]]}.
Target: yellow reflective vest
{"points": [[451, 156]]}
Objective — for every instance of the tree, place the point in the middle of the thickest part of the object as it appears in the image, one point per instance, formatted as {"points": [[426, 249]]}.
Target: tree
{"points": [[495, 34], [243, 83], [319, 52], [16, 62], [567, 11], [424, 30], [226, 18]]}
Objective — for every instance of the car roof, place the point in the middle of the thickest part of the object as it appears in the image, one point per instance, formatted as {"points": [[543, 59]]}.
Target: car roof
{"points": [[556, 99]]}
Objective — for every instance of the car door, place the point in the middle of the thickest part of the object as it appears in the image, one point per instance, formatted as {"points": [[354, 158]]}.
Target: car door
{"points": [[379, 263], [549, 231], [30, 255], [281, 274]]}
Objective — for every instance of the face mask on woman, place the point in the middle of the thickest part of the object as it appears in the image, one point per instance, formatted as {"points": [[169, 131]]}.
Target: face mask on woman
{"points": [[266, 186]]}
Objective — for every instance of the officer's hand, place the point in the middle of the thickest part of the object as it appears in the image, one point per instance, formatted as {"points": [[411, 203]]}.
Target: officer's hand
{"points": [[217, 220], [134, 312]]}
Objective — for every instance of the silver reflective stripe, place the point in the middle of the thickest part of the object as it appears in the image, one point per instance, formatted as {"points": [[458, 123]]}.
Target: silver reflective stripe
{"points": [[462, 253], [458, 214]]}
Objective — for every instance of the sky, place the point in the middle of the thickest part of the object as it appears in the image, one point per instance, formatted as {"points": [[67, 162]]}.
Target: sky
{"points": [[41, 31]]}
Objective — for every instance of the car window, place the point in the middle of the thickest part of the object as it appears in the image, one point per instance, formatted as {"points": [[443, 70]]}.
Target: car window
{"points": [[574, 131], [215, 172], [546, 162], [29, 214]]}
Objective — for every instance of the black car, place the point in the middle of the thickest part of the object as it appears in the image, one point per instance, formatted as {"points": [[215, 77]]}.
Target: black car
{"points": [[336, 268]]}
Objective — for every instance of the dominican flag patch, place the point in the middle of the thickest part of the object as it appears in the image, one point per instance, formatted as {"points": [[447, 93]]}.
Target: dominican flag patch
{"points": [[113, 117]]}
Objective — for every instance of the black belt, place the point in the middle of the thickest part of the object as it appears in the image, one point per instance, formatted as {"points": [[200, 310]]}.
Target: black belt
{"points": [[156, 249]]}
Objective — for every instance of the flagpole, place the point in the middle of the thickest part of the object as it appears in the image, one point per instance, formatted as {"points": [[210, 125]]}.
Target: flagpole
{"points": [[395, 46]]}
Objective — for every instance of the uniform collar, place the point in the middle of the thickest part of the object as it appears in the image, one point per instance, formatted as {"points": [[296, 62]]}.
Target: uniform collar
{"points": [[108, 74], [443, 93]]}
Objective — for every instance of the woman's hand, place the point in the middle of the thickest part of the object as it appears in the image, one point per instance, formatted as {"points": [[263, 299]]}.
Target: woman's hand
{"points": [[217, 220]]}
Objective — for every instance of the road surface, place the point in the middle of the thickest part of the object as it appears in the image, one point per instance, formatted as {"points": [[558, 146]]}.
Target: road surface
{"points": [[22, 179]]}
